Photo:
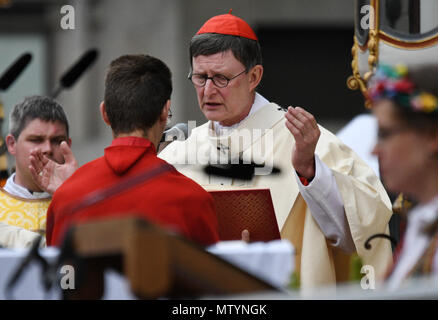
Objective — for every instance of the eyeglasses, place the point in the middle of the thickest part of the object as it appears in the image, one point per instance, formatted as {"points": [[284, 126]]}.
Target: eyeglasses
{"points": [[219, 80]]}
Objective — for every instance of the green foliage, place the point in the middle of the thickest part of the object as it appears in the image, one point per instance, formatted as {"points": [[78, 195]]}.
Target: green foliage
{"points": [[355, 267], [295, 281]]}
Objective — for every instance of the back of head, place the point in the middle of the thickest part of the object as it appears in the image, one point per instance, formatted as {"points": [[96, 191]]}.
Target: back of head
{"points": [[136, 90], [35, 107], [413, 90], [227, 32]]}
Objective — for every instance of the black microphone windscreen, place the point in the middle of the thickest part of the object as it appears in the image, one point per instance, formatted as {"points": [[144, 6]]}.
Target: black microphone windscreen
{"points": [[9, 76], [70, 77]]}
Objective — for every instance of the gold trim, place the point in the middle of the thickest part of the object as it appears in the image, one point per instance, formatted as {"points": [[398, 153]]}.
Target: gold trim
{"points": [[356, 81], [402, 205], [375, 35], [407, 45], [403, 44], [433, 37], [376, 5], [373, 54]]}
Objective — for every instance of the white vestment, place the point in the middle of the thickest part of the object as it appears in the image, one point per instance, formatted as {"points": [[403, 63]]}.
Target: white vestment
{"points": [[16, 237], [263, 138]]}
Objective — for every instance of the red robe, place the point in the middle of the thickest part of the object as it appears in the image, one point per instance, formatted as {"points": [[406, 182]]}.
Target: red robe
{"points": [[170, 199]]}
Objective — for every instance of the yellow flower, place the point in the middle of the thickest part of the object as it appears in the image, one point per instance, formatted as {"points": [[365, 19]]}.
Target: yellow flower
{"points": [[428, 101], [401, 69]]}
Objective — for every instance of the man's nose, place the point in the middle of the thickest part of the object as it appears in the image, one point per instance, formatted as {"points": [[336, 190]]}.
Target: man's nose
{"points": [[46, 147], [209, 87]]}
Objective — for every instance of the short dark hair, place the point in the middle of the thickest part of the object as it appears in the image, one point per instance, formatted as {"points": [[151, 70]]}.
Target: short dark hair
{"points": [[136, 90], [247, 51], [35, 107]]}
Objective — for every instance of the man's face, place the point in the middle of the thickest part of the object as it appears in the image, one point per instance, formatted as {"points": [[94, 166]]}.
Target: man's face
{"points": [[227, 105], [37, 134]]}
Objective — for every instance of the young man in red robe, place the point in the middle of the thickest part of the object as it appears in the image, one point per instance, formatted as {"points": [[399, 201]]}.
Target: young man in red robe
{"points": [[129, 179]]}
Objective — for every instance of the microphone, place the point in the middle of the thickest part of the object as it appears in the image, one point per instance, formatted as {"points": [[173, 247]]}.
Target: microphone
{"points": [[72, 75], [10, 75], [177, 132]]}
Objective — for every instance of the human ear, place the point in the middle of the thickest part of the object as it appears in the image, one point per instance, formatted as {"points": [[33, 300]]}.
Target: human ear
{"points": [[103, 113], [165, 111], [11, 143], [255, 76]]}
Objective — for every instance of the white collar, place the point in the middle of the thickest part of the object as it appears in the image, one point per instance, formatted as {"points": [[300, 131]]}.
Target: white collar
{"points": [[259, 102], [19, 191]]}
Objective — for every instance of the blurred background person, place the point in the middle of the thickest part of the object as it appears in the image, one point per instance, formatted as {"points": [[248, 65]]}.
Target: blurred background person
{"points": [[405, 103], [36, 123]]}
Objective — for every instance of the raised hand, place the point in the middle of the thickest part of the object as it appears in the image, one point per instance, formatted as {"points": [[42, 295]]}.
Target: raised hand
{"points": [[48, 174], [306, 132]]}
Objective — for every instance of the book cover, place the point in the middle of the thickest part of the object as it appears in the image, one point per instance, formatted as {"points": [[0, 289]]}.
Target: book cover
{"points": [[250, 209]]}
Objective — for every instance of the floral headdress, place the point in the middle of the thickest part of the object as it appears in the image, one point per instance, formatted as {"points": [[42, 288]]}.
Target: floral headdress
{"points": [[394, 83]]}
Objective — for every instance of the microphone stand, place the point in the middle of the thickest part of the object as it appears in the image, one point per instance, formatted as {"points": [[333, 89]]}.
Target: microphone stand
{"points": [[57, 91], [33, 253]]}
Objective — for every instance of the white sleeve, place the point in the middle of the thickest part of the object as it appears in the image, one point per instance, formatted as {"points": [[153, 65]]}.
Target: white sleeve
{"points": [[325, 203], [15, 237]]}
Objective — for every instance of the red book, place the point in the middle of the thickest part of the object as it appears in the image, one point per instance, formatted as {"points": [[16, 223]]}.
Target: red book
{"points": [[250, 209]]}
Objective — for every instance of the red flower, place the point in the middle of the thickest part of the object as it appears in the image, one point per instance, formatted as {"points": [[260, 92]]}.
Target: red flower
{"points": [[380, 87], [404, 86]]}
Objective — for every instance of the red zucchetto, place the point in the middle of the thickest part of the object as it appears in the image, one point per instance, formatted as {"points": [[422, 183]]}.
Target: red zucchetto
{"points": [[228, 24]]}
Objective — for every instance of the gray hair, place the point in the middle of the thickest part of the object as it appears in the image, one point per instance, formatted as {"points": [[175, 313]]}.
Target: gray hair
{"points": [[247, 51], [35, 107]]}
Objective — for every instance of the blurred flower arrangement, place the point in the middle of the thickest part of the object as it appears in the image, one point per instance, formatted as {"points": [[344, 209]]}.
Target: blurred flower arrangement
{"points": [[394, 83]]}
